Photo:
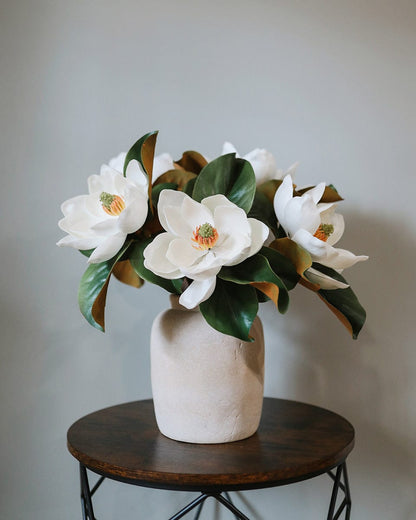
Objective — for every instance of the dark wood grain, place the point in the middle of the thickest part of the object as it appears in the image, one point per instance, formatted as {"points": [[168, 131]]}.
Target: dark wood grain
{"points": [[295, 441]]}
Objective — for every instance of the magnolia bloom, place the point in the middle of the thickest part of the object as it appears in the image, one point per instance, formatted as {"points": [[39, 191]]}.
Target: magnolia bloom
{"points": [[316, 227], [115, 206], [161, 164], [263, 163], [200, 238]]}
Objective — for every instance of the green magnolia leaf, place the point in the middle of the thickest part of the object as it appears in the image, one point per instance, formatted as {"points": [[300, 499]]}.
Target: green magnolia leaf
{"points": [[256, 271], [231, 309], [263, 210], [228, 176], [143, 151], [137, 261], [86, 252], [93, 287], [342, 302], [189, 187], [281, 266]]}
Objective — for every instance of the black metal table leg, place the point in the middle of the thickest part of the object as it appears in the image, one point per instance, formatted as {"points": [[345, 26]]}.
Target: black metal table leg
{"points": [[87, 493], [86, 502], [340, 483]]}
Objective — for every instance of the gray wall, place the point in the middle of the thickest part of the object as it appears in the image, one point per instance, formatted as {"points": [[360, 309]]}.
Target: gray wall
{"points": [[328, 83]]}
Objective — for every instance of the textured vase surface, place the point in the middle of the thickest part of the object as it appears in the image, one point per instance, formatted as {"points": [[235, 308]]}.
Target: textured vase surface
{"points": [[207, 386]]}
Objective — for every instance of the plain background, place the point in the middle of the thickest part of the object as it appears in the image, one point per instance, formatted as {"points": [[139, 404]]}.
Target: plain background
{"points": [[328, 83]]}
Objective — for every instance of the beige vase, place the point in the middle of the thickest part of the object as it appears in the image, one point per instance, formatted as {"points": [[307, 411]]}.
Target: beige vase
{"points": [[207, 386]]}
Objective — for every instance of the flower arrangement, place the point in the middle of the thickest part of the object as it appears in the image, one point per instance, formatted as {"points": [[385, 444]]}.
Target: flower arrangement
{"points": [[224, 235]]}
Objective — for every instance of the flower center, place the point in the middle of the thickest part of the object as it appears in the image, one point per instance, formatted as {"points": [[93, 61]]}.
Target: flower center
{"points": [[205, 237], [112, 204], [324, 231]]}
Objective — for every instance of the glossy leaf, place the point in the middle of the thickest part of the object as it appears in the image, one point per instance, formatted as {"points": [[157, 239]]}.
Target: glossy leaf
{"points": [[257, 271], [298, 256], [342, 302], [263, 210], [143, 151], [281, 266], [228, 176], [189, 187], [178, 177], [231, 309], [92, 292], [269, 188], [137, 261], [192, 161], [125, 273]]}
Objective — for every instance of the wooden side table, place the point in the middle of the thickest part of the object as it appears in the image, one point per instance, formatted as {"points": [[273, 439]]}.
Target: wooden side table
{"points": [[295, 441]]}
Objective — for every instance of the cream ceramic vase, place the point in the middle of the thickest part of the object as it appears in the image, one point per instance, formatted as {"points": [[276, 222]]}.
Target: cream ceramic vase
{"points": [[207, 386]]}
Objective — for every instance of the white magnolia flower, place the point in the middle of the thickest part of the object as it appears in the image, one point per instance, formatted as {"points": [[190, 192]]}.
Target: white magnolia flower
{"points": [[316, 227], [115, 206], [263, 163], [161, 164], [200, 238]]}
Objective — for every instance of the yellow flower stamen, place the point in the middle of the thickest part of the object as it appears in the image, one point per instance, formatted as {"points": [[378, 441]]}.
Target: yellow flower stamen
{"points": [[205, 237], [324, 231], [112, 204]]}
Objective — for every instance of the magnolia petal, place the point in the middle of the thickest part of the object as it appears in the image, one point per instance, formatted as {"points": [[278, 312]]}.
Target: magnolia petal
{"points": [[196, 214], [168, 199], [197, 292], [106, 181], [134, 216], [77, 223], [317, 248], [292, 169], [323, 280], [106, 227], [182, 254], [199, 273], [107, 249], [183, 220], [135, 174], [233, 249], [341, 258], [117, 163], [337, 220], [317, 192], [263, 163], [229, 220], [73, 204], [161, 164], [215, 201], [208, 265], [283, 196], [79, 243], [155, 257], [259, 234], [301, 213], [229, 148]]}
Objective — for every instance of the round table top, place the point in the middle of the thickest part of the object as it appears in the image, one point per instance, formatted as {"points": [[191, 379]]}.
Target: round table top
{"points": [[295, 441]]}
